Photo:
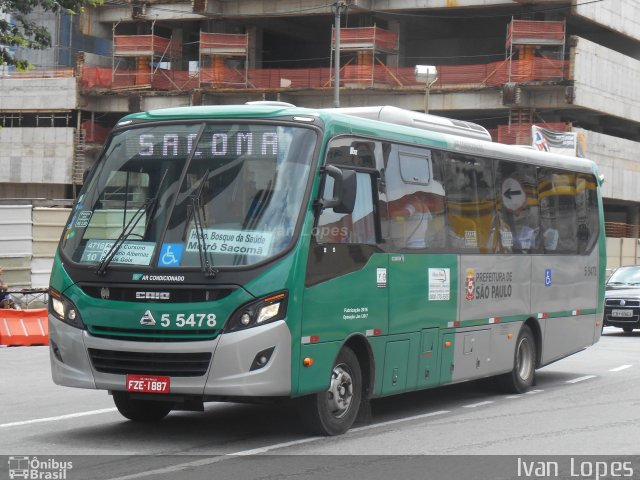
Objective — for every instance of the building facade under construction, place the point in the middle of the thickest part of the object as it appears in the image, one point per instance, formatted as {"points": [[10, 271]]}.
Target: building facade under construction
{"points": [[563, 65]]}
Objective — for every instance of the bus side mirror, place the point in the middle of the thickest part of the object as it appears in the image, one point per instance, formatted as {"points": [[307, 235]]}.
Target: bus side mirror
{"points": [[344, 190]]}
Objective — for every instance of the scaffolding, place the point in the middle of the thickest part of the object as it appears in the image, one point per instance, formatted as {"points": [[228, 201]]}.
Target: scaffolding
{"points": [[539, 48], [217, 54], [139, 61], [222, 62], [368, 46]]}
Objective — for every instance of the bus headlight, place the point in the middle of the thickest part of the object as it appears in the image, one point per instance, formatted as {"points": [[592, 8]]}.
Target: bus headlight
{"points": [[258, 312], [268, 312], [64, 310]]}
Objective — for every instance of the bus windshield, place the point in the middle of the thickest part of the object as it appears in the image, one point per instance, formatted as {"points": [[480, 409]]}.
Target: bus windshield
{"points": [[186, 195]]}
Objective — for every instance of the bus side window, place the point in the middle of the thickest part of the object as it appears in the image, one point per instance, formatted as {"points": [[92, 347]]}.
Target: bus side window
{"points": [[471, 212], [346, 151], [586, 212], [413, 215], [356, 227], [518, 224], [557, 193]]}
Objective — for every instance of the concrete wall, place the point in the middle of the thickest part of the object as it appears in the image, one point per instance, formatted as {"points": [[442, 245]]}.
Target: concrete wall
{"points": [[38, 94], [16, 242], [619, 161], [184, 10], [48, 224], [620, 15], [606, 81], [152, 103], [622, 251], [36, 155], [28, 241]]}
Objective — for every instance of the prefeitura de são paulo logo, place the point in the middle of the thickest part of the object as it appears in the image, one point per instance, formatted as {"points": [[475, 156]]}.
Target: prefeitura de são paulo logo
{"points": [[38, 469], [470, 283]]}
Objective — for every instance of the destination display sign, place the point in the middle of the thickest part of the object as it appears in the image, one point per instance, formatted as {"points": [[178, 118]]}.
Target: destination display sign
{"points": [[130, 253], [179, 144], [238, 242]]}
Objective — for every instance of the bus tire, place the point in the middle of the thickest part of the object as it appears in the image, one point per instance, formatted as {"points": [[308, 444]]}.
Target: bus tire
{"points": [[627, 329], [334, 411], [141, 410], [523, 375]]}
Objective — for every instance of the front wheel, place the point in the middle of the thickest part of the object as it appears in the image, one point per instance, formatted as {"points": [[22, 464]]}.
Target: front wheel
{"points": [[334, 411], [627, 329], [141, 410], [522, 377]]}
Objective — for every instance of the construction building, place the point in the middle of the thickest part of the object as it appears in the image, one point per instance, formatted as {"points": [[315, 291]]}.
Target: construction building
{"points": [[566, 65]]}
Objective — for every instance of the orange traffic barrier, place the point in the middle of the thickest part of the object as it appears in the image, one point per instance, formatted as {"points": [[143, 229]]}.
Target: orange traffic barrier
{"points": [[24, 327]]}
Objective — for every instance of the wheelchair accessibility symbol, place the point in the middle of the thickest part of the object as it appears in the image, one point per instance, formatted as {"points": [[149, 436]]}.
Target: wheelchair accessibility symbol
{"points": [[547, 277], [170, 255]]}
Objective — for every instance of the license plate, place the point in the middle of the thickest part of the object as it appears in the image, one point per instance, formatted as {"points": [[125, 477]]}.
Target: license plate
{"points": [[148, 383], [622, 313]]}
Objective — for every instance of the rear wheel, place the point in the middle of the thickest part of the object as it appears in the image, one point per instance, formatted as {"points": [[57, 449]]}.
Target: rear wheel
{"points": [[141, 410], [522, 377], [334, 411]]}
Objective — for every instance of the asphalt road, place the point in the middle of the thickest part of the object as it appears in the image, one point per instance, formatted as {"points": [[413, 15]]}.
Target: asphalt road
{"points": [[584, 405]]}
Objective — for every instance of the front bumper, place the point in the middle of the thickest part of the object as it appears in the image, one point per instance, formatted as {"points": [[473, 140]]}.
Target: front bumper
{"points": [[227, 374]]}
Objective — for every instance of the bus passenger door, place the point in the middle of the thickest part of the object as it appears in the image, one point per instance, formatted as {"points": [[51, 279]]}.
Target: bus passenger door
{"points": [[422, 300], [346, 283]]}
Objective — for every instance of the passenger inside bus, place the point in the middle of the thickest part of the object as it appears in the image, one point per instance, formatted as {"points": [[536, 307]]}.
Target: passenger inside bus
{"points": [[413, 199]]}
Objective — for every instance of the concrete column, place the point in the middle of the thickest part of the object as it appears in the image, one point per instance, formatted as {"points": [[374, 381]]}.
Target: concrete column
{"points": [[255, 47], [177, 39], [394, 26]]}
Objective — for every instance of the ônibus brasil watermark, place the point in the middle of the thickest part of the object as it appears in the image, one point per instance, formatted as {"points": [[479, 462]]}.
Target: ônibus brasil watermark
{"points": [[34, 468]]}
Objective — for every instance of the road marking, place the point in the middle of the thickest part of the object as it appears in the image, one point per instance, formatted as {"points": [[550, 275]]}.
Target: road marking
{"points": [[60, 417], [400, 420], [173, 468], [530, 392], [210, 461], [581, 379], [621, 367], [479, 404], [258, 451]]}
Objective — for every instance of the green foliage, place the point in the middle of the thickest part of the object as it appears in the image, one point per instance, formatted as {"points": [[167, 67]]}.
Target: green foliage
{"points": [[26, 33]]}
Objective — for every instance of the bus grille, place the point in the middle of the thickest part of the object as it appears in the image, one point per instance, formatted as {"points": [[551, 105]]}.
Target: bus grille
{"points": [[139, 335], [151, 363]]}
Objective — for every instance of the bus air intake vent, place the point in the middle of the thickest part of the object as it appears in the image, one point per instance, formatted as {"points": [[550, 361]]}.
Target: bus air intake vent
{"points": [[150, 363], [138, 335]]}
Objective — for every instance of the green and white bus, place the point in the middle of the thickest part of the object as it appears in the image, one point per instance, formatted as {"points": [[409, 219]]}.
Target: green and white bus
{"points": [[268, 252]]}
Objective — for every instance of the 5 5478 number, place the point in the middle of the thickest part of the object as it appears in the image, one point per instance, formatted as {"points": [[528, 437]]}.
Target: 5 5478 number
{"points": [[192, 320]]}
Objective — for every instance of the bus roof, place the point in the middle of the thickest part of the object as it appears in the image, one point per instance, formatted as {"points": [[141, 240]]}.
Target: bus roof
{"points": [[388, 122]]}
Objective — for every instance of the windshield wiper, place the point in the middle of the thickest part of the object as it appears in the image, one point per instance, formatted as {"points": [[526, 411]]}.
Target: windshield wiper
{"points": [[198, 195], [206, 266], [148, 207], [126, 232]]}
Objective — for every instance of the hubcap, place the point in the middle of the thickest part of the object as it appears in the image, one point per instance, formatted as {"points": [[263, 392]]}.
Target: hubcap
{"points": [[340, 393], [525, 359]]}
